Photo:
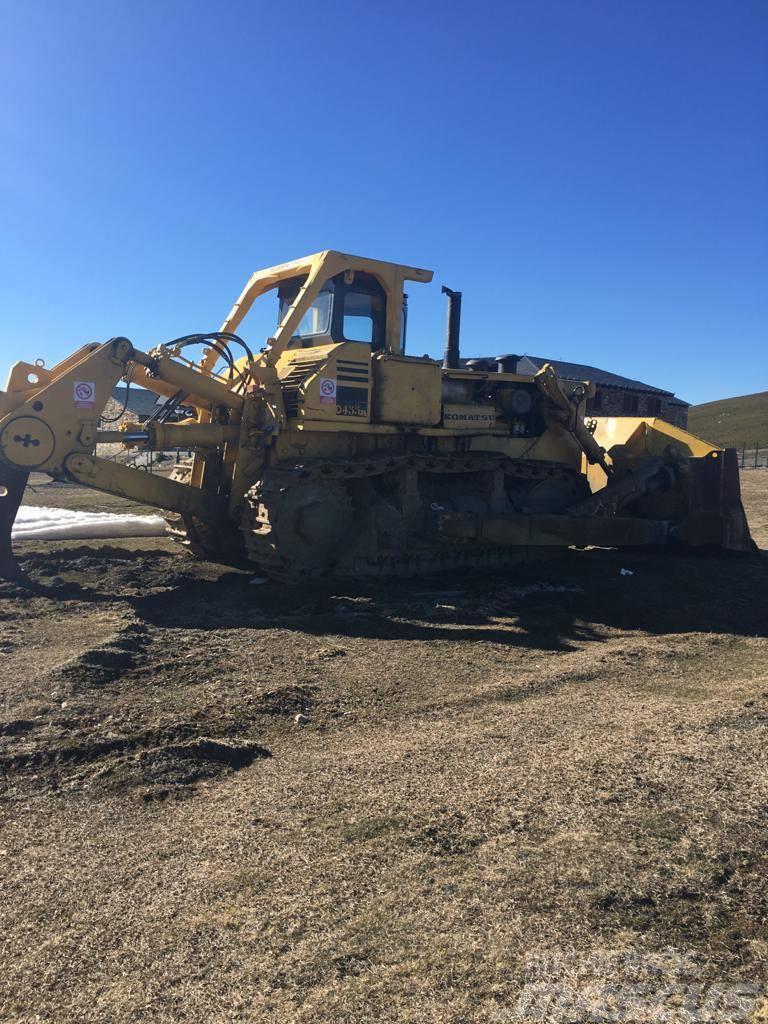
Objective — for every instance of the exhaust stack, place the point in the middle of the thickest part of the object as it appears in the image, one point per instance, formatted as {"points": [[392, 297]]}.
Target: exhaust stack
{"points": [[452, 330]]}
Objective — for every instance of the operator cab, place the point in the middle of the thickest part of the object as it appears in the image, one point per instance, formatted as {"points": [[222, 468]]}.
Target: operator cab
{"points": [[350, 307]]}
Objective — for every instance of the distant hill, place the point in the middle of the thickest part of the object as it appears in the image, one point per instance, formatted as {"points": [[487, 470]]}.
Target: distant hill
{"points": [[732, 420]]}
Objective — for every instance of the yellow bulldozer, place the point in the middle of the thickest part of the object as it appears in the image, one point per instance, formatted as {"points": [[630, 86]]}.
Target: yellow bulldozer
{"points": [[333, 452]]}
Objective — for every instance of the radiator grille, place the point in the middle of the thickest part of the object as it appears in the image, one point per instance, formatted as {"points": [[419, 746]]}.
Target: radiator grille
{"points": [[301, 369]]}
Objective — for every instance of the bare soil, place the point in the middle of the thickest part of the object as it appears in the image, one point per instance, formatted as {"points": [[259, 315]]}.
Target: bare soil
{"points": [[230, 801]]}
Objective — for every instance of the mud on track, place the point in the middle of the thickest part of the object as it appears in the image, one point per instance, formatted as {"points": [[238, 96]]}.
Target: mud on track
{"points": [[560, 761]]}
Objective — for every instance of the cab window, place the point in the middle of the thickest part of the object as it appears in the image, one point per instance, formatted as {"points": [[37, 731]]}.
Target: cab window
{"points": [[362, 315], [316, 320], [362, 311], [350, 307]]}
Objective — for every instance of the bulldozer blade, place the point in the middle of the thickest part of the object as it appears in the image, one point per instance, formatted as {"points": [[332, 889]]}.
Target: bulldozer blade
{"points": [[12, 485], [716, 518]]}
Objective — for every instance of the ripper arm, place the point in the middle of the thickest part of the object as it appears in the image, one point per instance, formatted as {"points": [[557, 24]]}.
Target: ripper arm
{"points": [[49, 422]]}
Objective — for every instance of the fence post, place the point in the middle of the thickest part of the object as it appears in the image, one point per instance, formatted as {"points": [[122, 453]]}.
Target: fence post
{"points": [[757, 449], [743, 452]]}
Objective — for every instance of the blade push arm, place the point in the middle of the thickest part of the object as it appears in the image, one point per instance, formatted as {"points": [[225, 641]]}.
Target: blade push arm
{"points": [[566, 414]]}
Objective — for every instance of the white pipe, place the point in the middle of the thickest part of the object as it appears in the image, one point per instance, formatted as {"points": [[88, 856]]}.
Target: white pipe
{"points": [[42, 523]]}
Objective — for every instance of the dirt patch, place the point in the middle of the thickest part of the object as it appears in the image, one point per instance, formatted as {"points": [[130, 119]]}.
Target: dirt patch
{"points": [[163, 757], [167, 770], [287, 700], [103, 664]]}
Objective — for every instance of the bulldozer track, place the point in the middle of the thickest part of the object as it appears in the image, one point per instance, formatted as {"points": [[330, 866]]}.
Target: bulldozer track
{"points": [[276, 561], [376, 466]]}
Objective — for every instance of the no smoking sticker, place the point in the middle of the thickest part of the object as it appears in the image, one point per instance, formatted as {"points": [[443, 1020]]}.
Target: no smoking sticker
{"points": [[84, 394], [328, 389]]}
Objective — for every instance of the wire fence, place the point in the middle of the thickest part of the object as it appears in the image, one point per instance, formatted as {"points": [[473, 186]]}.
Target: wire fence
{"points": [[162, 462], [150, 461], [752, 454]]}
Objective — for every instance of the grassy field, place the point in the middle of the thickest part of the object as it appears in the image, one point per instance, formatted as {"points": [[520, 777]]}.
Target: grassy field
{"points": [[733, 421], [506, 798]]}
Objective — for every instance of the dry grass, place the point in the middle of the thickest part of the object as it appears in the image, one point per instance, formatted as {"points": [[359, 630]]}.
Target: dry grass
{"points": [[732, 420], [490, 771]]}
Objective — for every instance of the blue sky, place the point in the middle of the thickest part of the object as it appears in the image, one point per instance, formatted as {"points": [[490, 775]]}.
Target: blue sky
{"points": [[592, 174]]}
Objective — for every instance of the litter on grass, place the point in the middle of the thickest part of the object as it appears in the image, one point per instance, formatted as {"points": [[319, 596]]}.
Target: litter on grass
{"points": [[66, 524]]}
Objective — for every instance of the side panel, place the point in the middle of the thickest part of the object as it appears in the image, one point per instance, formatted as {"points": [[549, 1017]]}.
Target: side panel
{"points": [[469, 417], [406, 391], [328, 383]]}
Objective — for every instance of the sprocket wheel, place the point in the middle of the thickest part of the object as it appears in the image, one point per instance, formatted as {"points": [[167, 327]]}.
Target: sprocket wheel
{"points": [[300, 530]]}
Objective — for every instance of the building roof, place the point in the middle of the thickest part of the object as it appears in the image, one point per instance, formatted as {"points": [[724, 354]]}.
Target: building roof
{"points": [[580, 371]]}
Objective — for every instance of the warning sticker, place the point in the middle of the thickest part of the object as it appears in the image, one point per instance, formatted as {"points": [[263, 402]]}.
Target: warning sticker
{"points": [[84, 394], [328, 390]]}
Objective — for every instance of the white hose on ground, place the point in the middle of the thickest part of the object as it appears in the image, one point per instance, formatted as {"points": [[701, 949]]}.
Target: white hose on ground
{"points": [[66, 524]]}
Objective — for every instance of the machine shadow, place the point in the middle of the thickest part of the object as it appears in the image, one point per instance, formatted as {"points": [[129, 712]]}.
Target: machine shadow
{"points": [[577, 598]]}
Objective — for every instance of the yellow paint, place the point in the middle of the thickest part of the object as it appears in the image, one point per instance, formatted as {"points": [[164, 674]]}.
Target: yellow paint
{"points": [[318, 268], [644, 436], [407, 390]]}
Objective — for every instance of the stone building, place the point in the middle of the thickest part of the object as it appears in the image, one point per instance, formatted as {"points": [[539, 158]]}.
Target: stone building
{"points": [[139, 407], [615, 395]]}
